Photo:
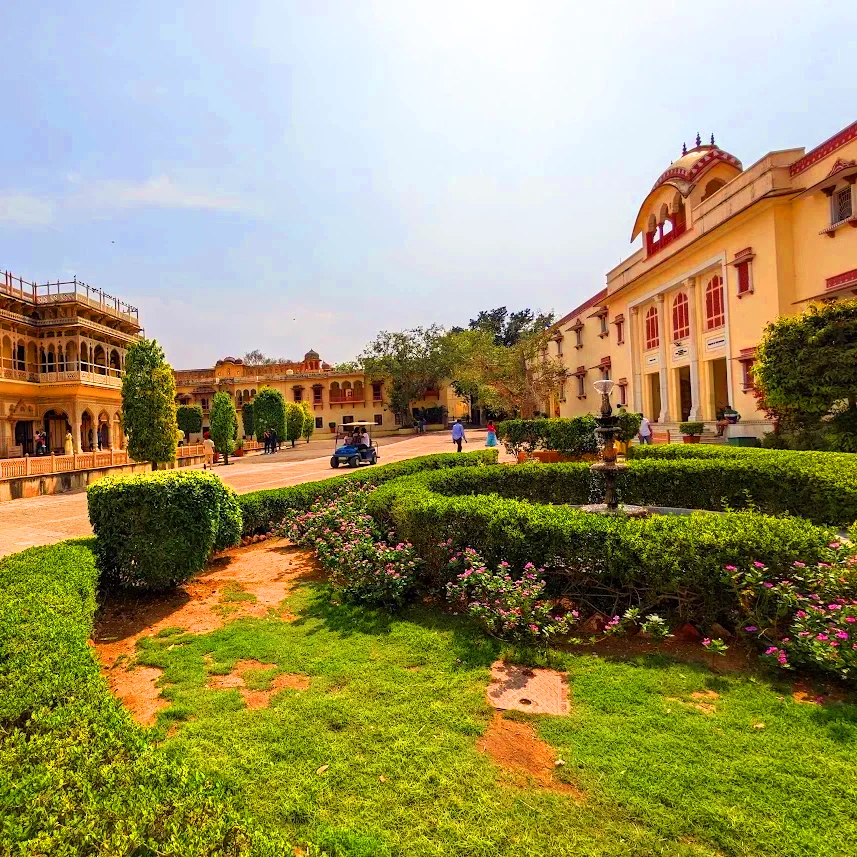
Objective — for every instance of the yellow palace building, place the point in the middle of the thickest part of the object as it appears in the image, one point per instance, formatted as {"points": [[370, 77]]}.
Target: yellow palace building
{"points": [[62, 357], [725, 250], [335, 396]]}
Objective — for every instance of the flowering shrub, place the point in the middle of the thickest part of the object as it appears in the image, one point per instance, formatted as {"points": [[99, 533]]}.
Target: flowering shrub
{"points": [[363, 564], [510, 608], [807, 617], [652, 625]]}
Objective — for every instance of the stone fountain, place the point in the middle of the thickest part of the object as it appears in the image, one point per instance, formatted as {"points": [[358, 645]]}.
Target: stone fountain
{"points": [[608, 431]]}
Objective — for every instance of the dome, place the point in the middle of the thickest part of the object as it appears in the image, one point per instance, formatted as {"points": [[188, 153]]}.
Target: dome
{"points": [[311, 355], [685, 172], [236, 360]]}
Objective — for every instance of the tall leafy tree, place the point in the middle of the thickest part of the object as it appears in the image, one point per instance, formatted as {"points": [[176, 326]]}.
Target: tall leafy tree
{"points": [[189, 418], [269, 412], [806, 374], [257, 358], [508, 328], [294, 421], [309, 421], [411, 361], [148, 404], [514, 378], [247, 419], [224, 424]]}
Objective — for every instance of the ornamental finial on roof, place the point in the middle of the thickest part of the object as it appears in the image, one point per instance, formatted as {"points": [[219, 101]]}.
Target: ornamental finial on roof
{"points": [[712, 139], [684, 148], [698, 139]]}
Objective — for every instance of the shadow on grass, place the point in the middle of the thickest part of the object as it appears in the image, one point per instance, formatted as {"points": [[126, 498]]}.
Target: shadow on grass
{"points": [[469, 643]]}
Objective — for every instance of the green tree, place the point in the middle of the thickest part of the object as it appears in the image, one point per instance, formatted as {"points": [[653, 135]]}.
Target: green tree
{"points": [[513, 378], [257, 358], [806, 377], [807, 362], [507, 328], [189, 418], [410, 361], [148, 404], [247, 419], [294, 421], [347, 366], [309, 421], [224, 424], [269, 412]]}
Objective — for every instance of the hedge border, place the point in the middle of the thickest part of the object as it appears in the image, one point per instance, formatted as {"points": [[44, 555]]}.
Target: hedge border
{"points": [[77, 775], [260, 509], [669, 556]]}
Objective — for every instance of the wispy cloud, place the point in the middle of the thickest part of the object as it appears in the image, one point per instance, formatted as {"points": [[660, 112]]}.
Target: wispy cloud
{"points": [[23, 209], [156, 192], [103, 196]]}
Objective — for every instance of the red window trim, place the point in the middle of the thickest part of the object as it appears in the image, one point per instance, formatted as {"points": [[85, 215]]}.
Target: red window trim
{"points": [[681, 317], [653, 338], [715, 309]]}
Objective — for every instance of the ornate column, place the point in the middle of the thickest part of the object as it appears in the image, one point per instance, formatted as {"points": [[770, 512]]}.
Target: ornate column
{"points": [[695, 406], [664, 416], [634, 339], [75, 416]]}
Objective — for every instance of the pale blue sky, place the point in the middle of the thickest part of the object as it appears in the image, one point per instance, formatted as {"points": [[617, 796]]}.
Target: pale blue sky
{"points": [[282, 175]]}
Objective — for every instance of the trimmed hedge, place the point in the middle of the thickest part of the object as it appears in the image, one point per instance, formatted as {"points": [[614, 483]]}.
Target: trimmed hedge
{"points": [[666, 557], [571, 437], [77, 776], [260, 509], [155, 530], [820, 486]]}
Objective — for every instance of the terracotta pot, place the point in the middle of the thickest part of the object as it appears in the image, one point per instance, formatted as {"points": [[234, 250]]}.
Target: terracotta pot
{"points": [[691, 438], [238, 452]]}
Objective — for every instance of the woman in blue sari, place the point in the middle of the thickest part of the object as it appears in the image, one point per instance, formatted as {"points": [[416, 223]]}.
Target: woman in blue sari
{"points": [[492, 434]]}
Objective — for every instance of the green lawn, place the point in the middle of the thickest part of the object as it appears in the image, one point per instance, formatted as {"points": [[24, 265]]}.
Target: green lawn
{"points": [[660, 777]]}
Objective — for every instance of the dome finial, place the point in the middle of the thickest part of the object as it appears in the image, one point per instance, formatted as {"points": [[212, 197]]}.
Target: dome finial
{"points": [[712, 139], [684, 148], [698, 139]]}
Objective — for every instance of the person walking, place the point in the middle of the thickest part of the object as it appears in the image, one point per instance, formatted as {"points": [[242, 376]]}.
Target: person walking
{"points": [[267, 439], [645, 431], [275, 441], [208, 444], [492, 434], [458, 434]]}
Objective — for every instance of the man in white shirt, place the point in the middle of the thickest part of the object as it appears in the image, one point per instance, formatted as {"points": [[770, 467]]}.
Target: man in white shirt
{"points": [[208, 443], [365, 443], [645, 431]]}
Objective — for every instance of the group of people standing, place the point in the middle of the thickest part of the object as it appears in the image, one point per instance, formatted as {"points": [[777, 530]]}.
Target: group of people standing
{"points": [[271, 442]]}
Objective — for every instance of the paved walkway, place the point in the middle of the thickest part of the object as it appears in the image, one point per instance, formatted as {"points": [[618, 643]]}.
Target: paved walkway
{"points": [[49, 519]]}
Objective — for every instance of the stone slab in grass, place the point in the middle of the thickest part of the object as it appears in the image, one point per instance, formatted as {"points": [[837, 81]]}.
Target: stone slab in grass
{"points": [[536, 690]]}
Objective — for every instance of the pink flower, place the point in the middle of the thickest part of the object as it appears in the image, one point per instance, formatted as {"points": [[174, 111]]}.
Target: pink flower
{"points": [[834, 545], [821, 637], [730, 568], [842, 635], [750, 629], [758, 564]]}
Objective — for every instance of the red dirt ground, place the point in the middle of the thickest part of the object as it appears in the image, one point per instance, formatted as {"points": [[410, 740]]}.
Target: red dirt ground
{"points": [[257, 698], [516, 748], [268, 571]]}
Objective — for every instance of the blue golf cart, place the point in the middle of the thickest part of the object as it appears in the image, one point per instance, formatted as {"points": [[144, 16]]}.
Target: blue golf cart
{"points": [[348, 450]]}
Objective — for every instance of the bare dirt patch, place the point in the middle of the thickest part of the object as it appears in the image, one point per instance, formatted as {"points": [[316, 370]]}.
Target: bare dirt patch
{"points": [[257, 698], [516, 748], [264, 574], [534, 690], [136, 687]]}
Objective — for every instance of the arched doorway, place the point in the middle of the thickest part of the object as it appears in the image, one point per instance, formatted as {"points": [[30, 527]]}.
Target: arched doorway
{"points": [[56, 426], [87, 432], [118, 438], [24, 436], [103, 433]]}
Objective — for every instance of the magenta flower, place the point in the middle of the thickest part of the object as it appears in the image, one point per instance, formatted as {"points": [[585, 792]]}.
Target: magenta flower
{"points": [[750, 629]]}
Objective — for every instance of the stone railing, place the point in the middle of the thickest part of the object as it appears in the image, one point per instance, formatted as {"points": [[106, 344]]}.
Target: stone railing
{"points": [[39, 465]]}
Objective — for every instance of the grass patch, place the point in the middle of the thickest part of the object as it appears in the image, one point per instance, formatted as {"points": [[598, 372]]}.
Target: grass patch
{"points": [[395, 710]]}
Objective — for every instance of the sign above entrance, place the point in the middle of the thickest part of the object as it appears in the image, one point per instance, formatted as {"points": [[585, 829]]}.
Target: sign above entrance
{"points": [[652, 360], [714, 344], [680, 351]]}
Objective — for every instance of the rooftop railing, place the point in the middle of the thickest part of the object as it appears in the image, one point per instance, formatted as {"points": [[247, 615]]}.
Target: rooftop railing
{"points": [[63, 291]]}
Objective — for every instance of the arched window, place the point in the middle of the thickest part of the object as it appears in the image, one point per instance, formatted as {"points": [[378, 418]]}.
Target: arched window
{"points": [[681, 317], [653, 340], [715, 315]]}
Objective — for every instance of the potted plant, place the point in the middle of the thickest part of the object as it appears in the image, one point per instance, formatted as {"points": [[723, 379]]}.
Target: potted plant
{"points": [[332, 426], [691, 432], [239, 448]]}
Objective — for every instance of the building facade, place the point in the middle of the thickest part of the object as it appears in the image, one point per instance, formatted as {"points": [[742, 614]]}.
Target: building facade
{"points": [[62, 356], [334, 396], [725, 250]]}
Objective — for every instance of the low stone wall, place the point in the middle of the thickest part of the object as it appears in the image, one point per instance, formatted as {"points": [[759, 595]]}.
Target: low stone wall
{"points": [[74, 480]]}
